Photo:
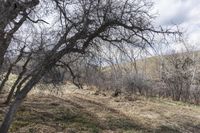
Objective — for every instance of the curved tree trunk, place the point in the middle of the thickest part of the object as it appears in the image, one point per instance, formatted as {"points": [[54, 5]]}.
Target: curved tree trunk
{"points": [[19, 98], [46, 65]]}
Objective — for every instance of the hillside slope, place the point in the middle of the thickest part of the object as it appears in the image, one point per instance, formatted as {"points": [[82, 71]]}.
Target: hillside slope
{"points": [[83, 111]]}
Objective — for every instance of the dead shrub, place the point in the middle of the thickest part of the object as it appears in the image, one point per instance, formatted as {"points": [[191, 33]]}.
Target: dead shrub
{"points": [[137, 84]]}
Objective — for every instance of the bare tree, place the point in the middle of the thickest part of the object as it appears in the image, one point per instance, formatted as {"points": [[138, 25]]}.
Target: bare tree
{"points": [[177, 74], [10, 69], [20, 76], [90, 24], [13, 13]]}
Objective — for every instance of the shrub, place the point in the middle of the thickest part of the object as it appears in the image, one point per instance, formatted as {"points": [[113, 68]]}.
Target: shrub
{"points": [[137, 84]]}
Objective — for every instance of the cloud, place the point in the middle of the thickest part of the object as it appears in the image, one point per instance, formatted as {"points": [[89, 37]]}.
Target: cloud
{"points": [[174, 11], [184, 13]]}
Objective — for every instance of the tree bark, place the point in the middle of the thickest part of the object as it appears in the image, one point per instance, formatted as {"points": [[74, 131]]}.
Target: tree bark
{"points": [[9, 11], [9, 97], [3, 47], [46, 65], [19, 86], [19, 98], [9, 116], [10, 69], [24, 69], [5, 79]]}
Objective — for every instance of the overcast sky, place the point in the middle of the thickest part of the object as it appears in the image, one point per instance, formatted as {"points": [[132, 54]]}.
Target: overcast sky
{"points": [[185, 13]]}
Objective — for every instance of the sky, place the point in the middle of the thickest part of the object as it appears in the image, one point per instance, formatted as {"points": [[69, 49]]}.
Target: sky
{"points": [[184, 13]]}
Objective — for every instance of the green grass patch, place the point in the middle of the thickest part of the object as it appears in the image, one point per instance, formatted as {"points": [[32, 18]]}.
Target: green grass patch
{"points": [[167, 129], [122, 124], [16, 125], [79, 120], [62, 117]]}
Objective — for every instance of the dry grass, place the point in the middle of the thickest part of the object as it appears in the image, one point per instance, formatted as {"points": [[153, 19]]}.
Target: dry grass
{"points": [[149, 66], [83, 111]]}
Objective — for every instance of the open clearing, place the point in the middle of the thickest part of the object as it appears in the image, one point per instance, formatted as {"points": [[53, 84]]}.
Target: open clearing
{"points": [[82, 111]]}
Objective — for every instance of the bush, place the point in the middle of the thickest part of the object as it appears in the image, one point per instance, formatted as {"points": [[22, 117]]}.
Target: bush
{"points": [[177, 75], [137, 84]]}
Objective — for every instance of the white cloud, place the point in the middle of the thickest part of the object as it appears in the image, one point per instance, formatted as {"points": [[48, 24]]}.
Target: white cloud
{"points": [[185, 13]]}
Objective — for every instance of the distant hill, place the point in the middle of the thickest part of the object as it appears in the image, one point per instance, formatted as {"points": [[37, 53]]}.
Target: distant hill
{"points": [[151, 66]]}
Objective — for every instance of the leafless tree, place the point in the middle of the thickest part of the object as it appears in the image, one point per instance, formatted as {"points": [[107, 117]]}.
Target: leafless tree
{"points": [[89, 24], [20, 76], [177, 74], [10, 69], [13, 13]]}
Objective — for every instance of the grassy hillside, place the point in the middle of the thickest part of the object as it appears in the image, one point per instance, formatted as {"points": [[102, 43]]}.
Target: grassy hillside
{"points": [[148, 66], [82, 111]]}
